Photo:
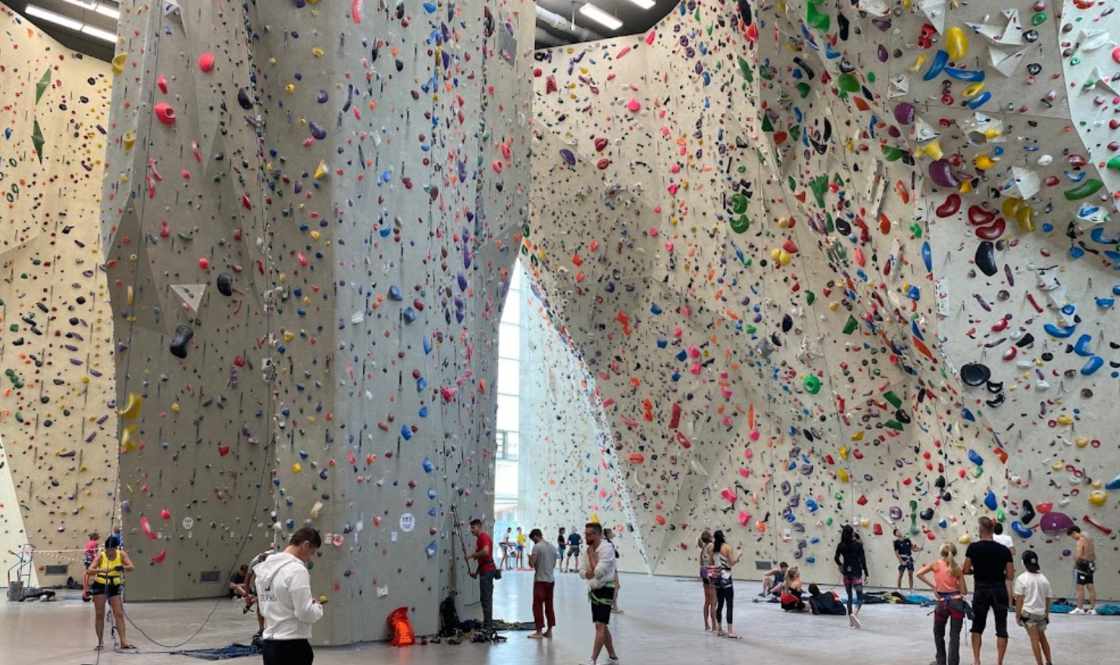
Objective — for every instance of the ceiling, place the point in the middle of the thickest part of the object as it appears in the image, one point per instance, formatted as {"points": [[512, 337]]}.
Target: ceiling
{"points": [[555, 27], [559, 22], [86, 18]]}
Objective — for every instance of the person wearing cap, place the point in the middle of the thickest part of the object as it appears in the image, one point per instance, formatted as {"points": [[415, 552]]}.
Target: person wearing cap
{"points": [[1032, 606], [107, 573]]}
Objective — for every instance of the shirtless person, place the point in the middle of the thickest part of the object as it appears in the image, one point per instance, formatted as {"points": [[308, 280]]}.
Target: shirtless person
{"points": [[1085, 556]]}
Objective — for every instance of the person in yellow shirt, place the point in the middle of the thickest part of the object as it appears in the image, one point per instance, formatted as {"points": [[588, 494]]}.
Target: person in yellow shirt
{"points": [[520, 548], [107, 574]]}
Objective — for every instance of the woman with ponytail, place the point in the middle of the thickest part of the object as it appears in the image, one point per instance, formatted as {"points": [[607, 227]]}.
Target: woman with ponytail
{"points": [[707, 564], [950, 586]]}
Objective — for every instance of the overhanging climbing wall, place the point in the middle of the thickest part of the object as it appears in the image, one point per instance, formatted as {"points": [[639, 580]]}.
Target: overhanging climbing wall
{"points": [[57, 436], [829, 267], [310, 217]]}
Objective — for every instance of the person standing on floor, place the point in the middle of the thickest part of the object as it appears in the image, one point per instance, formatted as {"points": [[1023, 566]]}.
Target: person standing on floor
{"points": [[574, 541], [561, 541], [1032, 606], [725, 560], [1084, 569], [107, 572], [92, 546], [599, 572], [1004, 539], [543, 560], [483, 553], [950, 586], [904, 552], [992, 570], [707, 564], [520, 549], [853, 569], [284, 595], [609, 535], [507, 549]]}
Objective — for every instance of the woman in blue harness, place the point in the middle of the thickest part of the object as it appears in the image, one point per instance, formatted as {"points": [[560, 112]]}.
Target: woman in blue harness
{"points": [[107, 572]]}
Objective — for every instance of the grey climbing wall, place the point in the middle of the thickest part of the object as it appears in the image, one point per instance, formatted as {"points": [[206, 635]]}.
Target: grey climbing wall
{"points": [[57, 430], [326, 198]]}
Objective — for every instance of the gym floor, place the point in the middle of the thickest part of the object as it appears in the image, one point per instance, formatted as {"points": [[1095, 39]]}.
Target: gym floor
{"points": [[661, 626]]}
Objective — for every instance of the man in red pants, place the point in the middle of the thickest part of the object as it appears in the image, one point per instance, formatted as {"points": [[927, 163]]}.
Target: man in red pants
{"points": [[543, 561]]}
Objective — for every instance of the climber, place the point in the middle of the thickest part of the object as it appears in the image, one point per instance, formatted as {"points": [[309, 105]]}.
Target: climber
{"points": [[853, 569], [599, 573], [107, 571], [904, 552], [1085, 557], [483, 548], [284, 594]]}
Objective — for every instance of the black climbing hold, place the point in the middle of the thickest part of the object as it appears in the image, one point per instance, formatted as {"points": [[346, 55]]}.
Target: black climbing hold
{"points": [[244, 99], [1028, 512], [986, 258], [975, 374], [927, 514], [225, 284], [183, 335]]}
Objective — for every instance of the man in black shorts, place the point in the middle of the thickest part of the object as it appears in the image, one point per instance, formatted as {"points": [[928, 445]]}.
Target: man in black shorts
{"points": [[1084, 569], [992, 569], [600, 573], [574, 542], [904, 552]]}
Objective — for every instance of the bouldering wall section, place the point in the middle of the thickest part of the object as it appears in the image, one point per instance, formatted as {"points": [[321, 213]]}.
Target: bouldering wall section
{"points": [[310, 220], [821, 265], [57, 435]]}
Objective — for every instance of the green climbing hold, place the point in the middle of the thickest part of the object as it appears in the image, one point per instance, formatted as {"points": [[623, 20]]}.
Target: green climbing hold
{"points": [[1114, 163], [810, 297], [795, 133], [1087, 188], [42, 85], [893, 399], [745, 68], [892, 154], [1039, 18], [803, 89], [740, 224], [38, 141], [819, 185], [739, 203], [767, 126], [816, 18], [916, 230], [848, 83], [895, 425], [850, 325], [812, 384], [751, 329]]}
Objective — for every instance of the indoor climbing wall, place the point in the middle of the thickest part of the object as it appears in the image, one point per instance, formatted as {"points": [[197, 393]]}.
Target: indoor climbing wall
{"points": [[310, 218], [570, 473], [831, 267], [57, 432]]}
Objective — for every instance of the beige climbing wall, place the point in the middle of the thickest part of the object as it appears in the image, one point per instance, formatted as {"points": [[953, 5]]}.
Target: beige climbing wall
{"points": [[57, 430], [785, 238]]}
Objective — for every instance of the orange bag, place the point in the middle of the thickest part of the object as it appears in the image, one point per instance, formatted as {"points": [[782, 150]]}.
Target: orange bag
{"points": [[401, 628]]}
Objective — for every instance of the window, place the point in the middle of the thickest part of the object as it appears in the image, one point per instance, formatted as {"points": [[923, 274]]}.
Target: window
{"points": [[507, 434]]}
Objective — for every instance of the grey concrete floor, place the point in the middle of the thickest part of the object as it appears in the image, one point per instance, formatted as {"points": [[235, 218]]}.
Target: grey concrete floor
{"points": [[661, 626]]}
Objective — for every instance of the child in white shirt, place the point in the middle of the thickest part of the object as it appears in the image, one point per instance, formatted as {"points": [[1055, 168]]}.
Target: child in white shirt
{"points": [[1032, 606]]}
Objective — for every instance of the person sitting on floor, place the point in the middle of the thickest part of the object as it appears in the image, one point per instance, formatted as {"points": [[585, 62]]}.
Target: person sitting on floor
{"points": [[791, 591], [772, 581], [825, 602]]}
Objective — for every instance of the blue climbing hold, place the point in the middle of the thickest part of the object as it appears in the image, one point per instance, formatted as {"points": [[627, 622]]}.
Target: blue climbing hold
{"points": [[990, 500]]}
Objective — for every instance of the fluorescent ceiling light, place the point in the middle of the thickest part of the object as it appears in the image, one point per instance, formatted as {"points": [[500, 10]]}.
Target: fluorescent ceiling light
{"points": [[97, 6], [601, 17], [644, 4], [51, 17], [104, 35]]}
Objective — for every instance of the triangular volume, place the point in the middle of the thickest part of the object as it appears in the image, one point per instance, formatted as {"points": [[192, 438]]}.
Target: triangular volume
{"points": [[190, 294]]}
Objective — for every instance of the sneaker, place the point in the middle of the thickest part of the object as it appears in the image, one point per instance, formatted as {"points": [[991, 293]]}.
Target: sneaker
{"points": [[1077, 610], [855, 622], [1091, 611], [613, 661]]}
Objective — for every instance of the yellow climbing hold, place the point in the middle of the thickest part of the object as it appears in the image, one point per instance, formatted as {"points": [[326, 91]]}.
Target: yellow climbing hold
{"points": [[118, 62], [321, 170], [956, 44], [931, 150], [175, 408], [964, 539], [131, 411], [972, 91], [858, 436], [1097, 497], [1065, 419], [843, 452], [317, 52], [129, 139], [289, 335], [1081, 441], [842, 475], [128, 439], [296, 467], [983, 162]]}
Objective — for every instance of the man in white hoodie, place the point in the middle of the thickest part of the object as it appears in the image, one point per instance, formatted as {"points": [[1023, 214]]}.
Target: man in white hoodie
{"points": [[285, 601], [599, 571]]}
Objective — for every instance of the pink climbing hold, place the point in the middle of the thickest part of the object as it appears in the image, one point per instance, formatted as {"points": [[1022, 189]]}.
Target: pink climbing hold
{"points": [[650, 36], [496, 165], [161, 83], [1116, 54], [146, 527], [204, 263], [159, 558], [165, 514], [206, 62], [356, 11], [165, 113], [634, 105]]}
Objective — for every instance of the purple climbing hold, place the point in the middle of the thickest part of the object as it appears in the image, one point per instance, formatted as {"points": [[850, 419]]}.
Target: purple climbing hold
{"points": [[904, 113], [1054, 523], [568, 156]]}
